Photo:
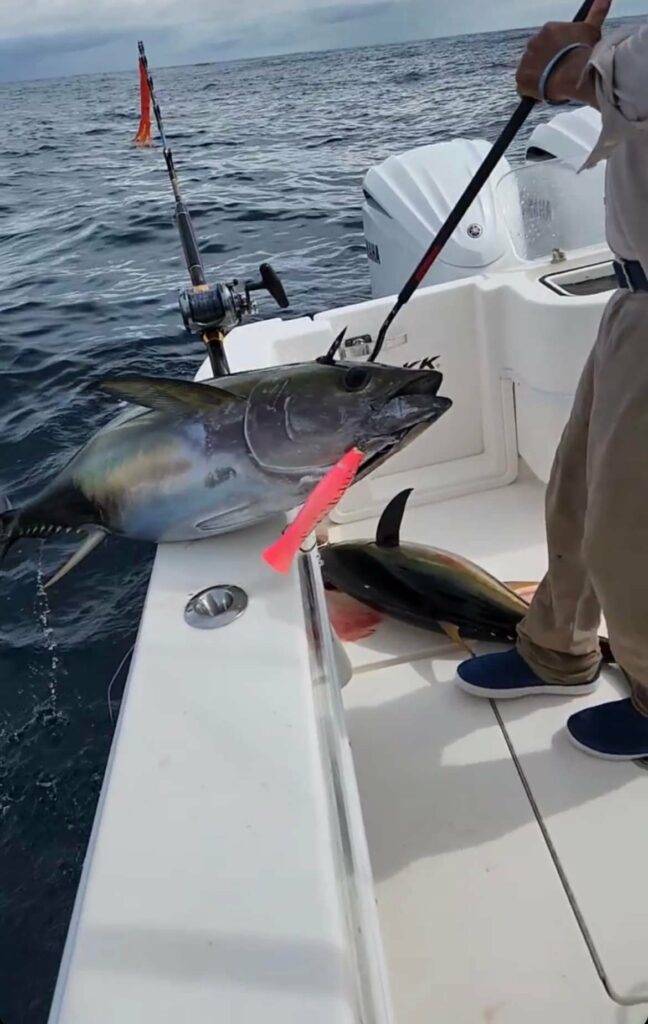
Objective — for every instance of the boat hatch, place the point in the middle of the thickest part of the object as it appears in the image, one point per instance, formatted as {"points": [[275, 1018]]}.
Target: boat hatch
{"points": [[590, 280]]}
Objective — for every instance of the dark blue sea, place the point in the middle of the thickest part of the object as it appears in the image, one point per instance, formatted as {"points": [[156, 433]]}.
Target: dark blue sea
{"points": [[271, 155]]}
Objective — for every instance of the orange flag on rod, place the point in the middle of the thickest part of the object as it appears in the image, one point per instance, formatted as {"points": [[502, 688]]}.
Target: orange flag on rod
{"points": [[143, 137]]}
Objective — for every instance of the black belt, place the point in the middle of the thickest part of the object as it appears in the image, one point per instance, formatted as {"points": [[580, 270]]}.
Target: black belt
{"points": [[630, 274]]}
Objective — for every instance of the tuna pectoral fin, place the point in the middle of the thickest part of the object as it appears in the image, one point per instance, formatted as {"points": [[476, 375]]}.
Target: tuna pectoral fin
{"points": [[167, 395], [92, 541], [452, 632]]}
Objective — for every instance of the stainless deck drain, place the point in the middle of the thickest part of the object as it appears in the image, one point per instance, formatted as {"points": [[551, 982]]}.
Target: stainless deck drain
{"points": [[215, 607]]}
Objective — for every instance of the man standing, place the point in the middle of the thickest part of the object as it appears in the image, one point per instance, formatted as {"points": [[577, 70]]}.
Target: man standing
{"points": [[597, 498]]}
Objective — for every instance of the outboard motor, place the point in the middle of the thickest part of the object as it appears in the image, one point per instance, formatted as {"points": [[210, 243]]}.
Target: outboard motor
{"points": [[407, 199], [568, 137], [520, 215]]}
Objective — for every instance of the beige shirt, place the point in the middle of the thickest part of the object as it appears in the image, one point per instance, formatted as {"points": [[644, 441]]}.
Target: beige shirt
{"points": [[620, 65]]}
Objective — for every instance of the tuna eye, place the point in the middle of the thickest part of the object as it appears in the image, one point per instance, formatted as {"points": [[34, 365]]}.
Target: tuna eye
{"points": [[356, 378]]}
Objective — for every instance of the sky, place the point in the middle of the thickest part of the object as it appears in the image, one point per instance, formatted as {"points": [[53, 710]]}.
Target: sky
{"points": [[42, 38]]}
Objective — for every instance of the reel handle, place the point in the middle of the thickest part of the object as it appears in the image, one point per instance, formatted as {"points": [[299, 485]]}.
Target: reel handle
{"points": [[271, 283]]}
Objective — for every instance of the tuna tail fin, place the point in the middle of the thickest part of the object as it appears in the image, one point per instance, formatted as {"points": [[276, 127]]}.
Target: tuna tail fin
{"points": [[93, 539], [10, 532]]}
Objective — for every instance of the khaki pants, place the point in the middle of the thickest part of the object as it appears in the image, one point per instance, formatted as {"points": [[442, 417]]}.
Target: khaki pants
{"points": [[597, 515]]}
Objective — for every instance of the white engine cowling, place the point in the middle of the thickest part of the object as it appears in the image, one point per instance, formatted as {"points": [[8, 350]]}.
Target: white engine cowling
{"points": [[408, 197], [568, 137]]}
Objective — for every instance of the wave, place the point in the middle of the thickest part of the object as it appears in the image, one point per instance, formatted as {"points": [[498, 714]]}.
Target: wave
{"points": [[411, 76]]}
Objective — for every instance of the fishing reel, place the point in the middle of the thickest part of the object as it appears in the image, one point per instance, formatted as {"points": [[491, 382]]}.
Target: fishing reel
{"points": [[222, 306]]}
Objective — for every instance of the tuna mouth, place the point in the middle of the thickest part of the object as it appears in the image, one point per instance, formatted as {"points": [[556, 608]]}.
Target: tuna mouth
{"points": [[425, 383], [390, 447], [416, 402], [399, 440], [420, 406]]}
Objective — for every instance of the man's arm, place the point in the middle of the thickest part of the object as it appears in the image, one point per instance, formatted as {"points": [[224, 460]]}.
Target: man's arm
{"points": [[619, 67], [569, 81], [610, 74]]}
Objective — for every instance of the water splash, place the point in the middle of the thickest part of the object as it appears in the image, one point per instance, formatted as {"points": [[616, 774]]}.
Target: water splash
{"points": [[43, 612]]}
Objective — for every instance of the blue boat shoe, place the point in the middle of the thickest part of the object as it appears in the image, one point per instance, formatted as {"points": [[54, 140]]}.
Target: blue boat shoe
{"points": [[506, 675], [615, 731]]}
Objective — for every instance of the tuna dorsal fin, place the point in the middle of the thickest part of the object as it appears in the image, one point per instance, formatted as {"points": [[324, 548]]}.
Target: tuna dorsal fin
{"points": [[165, 394], [388, 532]]}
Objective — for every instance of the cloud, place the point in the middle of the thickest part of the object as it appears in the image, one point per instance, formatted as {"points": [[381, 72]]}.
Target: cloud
{"points": [[33, 17], [75, 36], [337, 13], [183, 30], [50, 54], [34, 46]]}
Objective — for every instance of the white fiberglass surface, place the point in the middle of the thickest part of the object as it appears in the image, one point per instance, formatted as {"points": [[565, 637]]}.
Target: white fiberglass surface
{"points": [[211, 891], [477, 921]]}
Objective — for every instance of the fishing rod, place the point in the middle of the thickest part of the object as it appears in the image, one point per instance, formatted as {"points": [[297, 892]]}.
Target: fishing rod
{"points": [[183, 218], [208, 310], [526, 105]]}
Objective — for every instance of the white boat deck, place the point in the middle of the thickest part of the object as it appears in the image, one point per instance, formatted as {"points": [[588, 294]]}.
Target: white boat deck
{"points": [[473, 811], [228, 874], [214, 887]]}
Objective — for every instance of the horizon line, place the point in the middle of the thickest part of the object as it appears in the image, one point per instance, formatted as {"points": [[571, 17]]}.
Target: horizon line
{"points": [[286, 53]]}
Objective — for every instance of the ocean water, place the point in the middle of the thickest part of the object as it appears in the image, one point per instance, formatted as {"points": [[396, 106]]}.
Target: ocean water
{"points": [[271, 155]]}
